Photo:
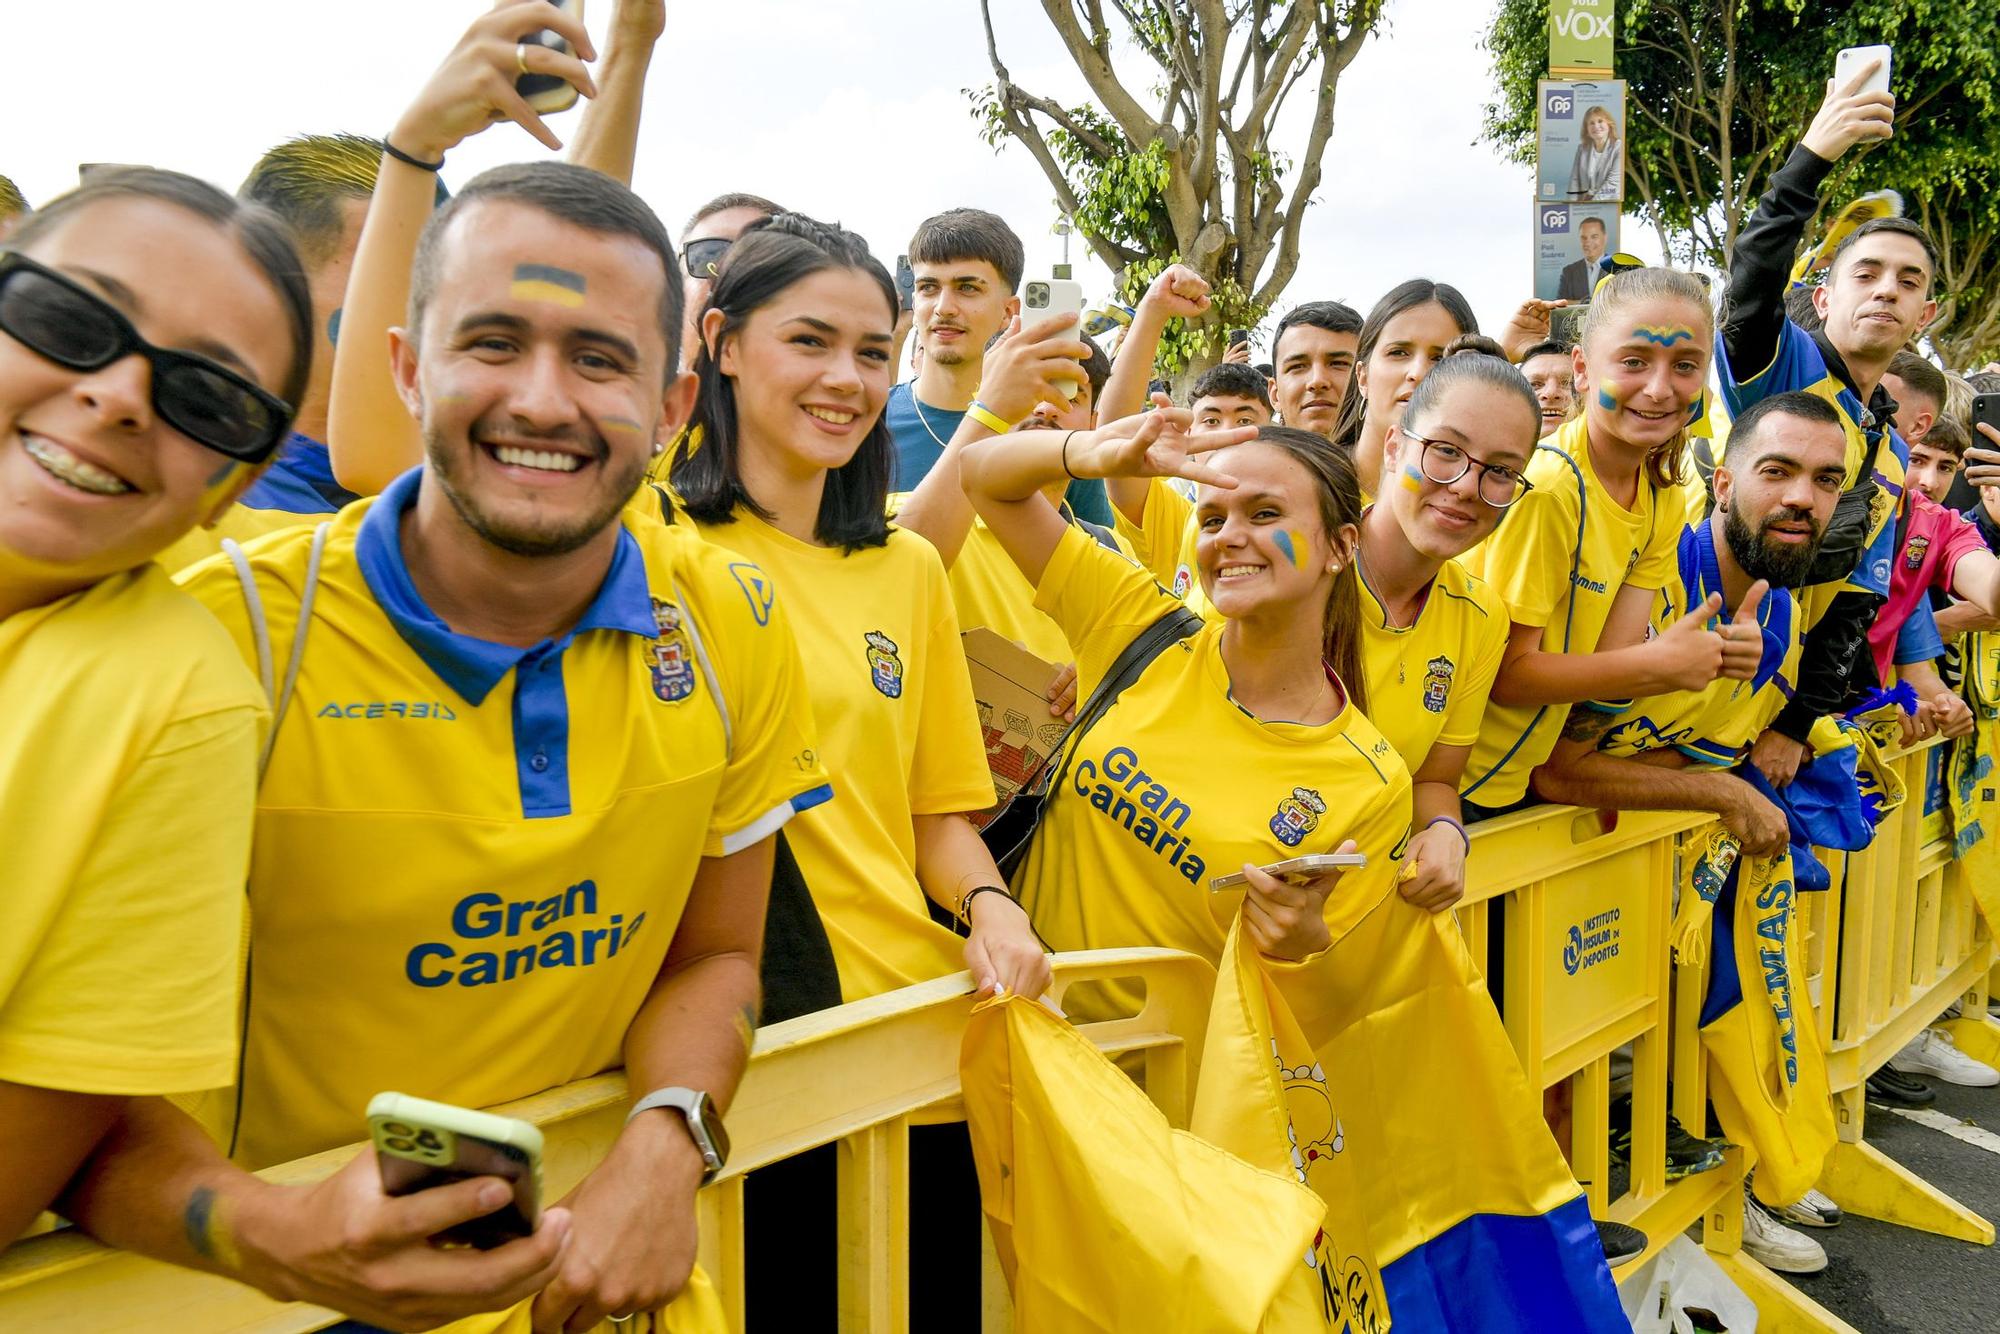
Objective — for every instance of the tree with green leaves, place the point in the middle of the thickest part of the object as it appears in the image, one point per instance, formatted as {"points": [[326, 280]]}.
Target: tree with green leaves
{"points": [[1186, 169], [1720, 90]]}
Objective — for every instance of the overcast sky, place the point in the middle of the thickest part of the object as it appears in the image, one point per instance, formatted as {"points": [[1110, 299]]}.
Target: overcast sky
{"points": [[851, 110]]}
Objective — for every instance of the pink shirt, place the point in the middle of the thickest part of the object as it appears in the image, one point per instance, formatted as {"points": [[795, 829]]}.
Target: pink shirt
{"points": [[1930, 552]]}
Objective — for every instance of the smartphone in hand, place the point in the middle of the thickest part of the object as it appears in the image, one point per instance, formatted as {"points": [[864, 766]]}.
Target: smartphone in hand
{"points": [[1056, 296], [420, 1144], [1296, 870], [549, 93], [1852, 58]]}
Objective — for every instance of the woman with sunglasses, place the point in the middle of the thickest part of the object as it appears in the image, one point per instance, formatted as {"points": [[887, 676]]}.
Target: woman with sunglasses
{"points": [[1405, 334], [153, 334], [1432, 634], [714, 228]]}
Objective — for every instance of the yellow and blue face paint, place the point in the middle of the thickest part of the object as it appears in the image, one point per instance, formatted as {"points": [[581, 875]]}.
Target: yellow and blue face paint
{"points": [[545, 282], [1293, 547], [1413, 478], [1666, 335]]}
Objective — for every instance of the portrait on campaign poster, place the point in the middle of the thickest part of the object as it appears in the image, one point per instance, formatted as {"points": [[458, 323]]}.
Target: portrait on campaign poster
{"points": [[1580, 141], [1569, 241]]}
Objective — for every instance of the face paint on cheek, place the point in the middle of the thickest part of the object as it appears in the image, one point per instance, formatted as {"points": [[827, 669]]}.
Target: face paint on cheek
{"points": [[1413, 479], [222, 475], [546, 282], [1293, 548], [333, 326], [622, 425], [1606, 401]]}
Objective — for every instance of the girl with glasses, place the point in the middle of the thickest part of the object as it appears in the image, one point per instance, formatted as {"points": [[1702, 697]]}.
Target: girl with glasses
{"points": [[1581, 556], [1432, 634], [153, 334]]}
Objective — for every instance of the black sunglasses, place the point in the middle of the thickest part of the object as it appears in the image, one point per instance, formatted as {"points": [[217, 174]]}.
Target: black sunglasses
{"points": [[704, 257], [72, 326]]}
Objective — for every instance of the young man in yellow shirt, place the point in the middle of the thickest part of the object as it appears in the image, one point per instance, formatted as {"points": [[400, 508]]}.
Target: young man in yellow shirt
{"points": [[516, 826]]}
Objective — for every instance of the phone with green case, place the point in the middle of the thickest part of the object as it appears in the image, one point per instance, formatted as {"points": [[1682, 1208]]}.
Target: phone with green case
{"points": [[420, 1144]]}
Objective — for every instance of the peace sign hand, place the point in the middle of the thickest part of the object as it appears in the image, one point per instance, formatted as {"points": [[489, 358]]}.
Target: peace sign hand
{"points": [[1154, 444]]}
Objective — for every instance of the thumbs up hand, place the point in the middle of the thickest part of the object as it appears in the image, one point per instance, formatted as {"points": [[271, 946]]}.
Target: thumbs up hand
{"points": [[1743, 637]]}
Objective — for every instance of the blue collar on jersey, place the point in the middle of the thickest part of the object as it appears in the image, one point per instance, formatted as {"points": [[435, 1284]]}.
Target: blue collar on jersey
{"points": [[1701, 574], [299, 481], [472, 667]]}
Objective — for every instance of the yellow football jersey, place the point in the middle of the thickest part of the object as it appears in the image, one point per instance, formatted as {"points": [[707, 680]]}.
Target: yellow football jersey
{"points": [[1164, 544], [471, 858], [128, 770], [899, 733], [238, 522], [1428, 682], [1714, 725], [1557, 561], [1178, 784]]}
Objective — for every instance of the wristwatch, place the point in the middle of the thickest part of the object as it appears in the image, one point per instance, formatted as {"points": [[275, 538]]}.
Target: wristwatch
{"points": [[703, 1122]]}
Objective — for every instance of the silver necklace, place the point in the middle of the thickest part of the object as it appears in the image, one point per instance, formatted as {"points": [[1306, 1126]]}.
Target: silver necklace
{"points": [[918, 404]]}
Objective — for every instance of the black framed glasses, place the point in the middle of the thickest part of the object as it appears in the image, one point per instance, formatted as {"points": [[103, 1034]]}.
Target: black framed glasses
{"points": [[58, 318], [704, 257], [1444, 463]]}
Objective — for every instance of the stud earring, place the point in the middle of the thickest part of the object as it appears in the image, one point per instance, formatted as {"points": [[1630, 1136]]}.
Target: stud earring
{"points": [[659, 448]]}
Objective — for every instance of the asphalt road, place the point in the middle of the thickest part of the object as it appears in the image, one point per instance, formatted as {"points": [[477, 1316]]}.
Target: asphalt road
{"points": [[1884, 1279]]}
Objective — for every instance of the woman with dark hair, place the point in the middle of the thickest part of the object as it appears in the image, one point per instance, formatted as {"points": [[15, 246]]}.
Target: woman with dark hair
{"points": [[788, 462], [1247, 743], [154, 334], [1405, 334]]}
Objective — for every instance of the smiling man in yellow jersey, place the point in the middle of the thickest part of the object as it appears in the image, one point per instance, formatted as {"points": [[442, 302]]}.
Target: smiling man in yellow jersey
{"points": [[517, 823], [1775, 493]]}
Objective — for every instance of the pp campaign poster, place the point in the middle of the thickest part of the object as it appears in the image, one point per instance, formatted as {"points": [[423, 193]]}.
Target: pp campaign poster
{"points": [[1569, 240], [1580, 141]]}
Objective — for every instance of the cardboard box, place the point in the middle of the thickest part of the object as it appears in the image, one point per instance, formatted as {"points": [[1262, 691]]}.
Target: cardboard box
{"points": [[1014, 719]]}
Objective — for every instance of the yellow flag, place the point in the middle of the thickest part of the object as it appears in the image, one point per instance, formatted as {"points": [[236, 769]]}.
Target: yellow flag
{"points": [[1355, 1070], [1104, 1216], [1972, 786]]}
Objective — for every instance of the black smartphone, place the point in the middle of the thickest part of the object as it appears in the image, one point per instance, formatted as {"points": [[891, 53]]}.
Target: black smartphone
{"points": [[1986, 412], [549, 93], [906, 282], [1237, 336]]}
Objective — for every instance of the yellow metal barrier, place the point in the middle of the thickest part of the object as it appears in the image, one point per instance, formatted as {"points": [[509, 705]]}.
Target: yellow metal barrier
{"points": [[1583, 898], [1897, 940], [801, 1091]]}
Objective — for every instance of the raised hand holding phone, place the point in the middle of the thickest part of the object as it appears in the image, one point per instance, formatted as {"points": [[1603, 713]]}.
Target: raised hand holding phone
{"points": [[1858, 108], [476, 84]]}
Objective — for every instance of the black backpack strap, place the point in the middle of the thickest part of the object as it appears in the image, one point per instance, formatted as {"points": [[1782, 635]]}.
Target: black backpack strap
{"points": [[1178, 624]]}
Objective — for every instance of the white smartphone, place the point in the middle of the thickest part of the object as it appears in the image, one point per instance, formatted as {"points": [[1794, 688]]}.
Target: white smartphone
{"points": [[1297, 870], [1852, 58], [1045, 297], [420, 1144], [549, 93]]}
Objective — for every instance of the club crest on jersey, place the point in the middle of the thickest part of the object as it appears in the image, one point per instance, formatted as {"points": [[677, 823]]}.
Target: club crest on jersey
{"points": [[1437, 683], [669, 657], [1298, 815], [884, 666], [1913, 554]]}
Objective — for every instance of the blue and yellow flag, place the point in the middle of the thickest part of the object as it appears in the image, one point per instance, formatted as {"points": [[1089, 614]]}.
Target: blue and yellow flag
{"points": [[1972, 786], [1767, 1070], [1103, 1216], [1436, 1220]]}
